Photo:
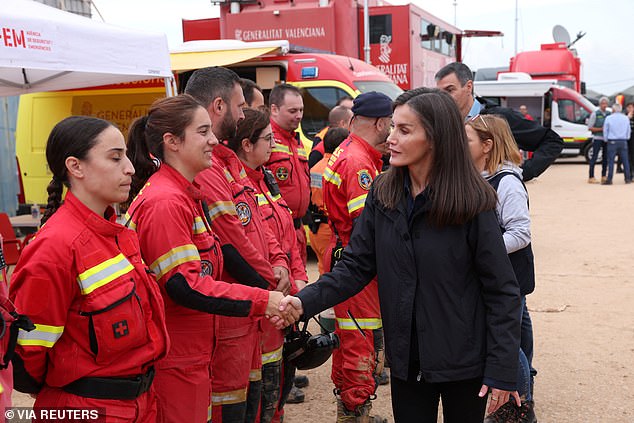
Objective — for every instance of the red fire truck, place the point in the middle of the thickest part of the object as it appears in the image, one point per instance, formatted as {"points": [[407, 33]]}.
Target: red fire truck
{"points": [[407, 43]]}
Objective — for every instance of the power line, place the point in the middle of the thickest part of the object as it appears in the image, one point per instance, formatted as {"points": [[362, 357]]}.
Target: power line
{"points": [[613, 82]]}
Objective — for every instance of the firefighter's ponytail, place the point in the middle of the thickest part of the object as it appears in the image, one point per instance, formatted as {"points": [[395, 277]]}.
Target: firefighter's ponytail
{"points": [[54, 189], [139, 155]]}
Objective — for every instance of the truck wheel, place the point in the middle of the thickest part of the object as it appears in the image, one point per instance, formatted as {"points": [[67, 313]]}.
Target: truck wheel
{"points": [[587, 153]]}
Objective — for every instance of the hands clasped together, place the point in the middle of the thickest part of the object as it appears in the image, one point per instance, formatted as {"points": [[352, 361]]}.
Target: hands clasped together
{"points": [[283, 311]]}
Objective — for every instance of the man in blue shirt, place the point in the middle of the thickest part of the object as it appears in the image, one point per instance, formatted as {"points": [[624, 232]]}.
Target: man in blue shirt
{"points": [[617, 131]]}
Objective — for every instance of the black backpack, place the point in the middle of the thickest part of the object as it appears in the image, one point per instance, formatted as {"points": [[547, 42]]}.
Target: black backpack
{"points": [[522, 260]]}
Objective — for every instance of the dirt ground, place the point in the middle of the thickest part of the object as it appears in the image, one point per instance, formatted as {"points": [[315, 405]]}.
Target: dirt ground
{"points": [[582, 308]]}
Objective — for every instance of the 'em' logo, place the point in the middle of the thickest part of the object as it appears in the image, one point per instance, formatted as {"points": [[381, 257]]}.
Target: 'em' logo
{"points": [[120, 329]]}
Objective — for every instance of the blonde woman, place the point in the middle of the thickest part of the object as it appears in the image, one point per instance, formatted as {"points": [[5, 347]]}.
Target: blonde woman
{"points": [[496, 155]]}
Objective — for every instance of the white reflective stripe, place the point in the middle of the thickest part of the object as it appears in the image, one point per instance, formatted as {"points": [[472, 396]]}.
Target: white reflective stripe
{"points": [[332, 177], [129, 222], [199, 226], [348, 324], [281, 148], [243, 173], [315, 180], [228, 175], [231, 397], [273, 356], [103, 273], [261, 199], [356, 203], [173, 258], [255, 375], [42, 336], [302, 152], [220, 208]]}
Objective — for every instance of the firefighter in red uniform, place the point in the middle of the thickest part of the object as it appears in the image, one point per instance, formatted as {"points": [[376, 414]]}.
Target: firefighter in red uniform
{"points": [[320, 232], [177, 240], [253, 144], [252, 254], [347, 180], [99, 319], [289, 160]]}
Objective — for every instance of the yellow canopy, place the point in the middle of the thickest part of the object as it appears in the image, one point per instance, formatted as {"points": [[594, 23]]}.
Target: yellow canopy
{"points": [[219, 54]]}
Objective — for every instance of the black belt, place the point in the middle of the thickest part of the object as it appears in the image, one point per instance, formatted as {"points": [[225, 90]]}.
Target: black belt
{"points": [[297, 223], [112, 387]]}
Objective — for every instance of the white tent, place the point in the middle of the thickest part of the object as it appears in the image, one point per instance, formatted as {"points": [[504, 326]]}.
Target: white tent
{"points": [[43, 49]]}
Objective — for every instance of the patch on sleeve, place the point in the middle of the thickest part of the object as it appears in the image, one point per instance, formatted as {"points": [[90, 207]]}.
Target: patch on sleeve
{"points": [[281, 173], [365, 180], [244, 213]]}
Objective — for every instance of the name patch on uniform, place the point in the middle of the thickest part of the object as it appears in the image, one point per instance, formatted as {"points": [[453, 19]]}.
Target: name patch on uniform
{"points": [[365, 180], [206, 268], [281, 173], [120, 329], [244, 213]]}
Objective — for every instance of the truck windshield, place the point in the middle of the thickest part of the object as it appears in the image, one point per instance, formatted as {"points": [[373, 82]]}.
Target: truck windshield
{"points": [[573, 107], [388, 88]]}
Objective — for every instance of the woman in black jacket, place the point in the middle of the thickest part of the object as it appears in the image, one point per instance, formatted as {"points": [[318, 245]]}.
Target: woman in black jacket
{"points": [[449, 298]]}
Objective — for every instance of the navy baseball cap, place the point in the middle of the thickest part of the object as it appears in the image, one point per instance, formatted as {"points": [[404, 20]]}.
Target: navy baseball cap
{"points": [[372, 104]]}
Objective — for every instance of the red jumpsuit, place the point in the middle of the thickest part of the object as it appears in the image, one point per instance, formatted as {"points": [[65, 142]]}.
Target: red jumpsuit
{"points": [[319, 241], [347, 180], [240, 225], [6, 375], [184, 254], [97, 312], [289, 165], [278, 216]]}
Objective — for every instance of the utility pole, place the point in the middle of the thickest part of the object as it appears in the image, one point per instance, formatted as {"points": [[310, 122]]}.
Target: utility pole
{"points": [[516, 21], [455, 13], [366, 31]]}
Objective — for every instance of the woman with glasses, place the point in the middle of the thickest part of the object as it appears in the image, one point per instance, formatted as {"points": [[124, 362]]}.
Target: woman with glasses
{"points": [[449, 299], [497, 157], [253, 143]]}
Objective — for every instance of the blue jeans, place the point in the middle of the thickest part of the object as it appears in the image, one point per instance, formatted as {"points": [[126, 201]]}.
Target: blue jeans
{"points": [[596, 145], [618, 147], [525, 371]]}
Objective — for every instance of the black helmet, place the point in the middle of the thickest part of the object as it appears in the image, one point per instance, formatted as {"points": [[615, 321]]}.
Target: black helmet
{"points": [[306, 351]]}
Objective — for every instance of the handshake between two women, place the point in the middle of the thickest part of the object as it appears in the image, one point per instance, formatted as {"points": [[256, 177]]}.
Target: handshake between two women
{"points": [[283, 311]]}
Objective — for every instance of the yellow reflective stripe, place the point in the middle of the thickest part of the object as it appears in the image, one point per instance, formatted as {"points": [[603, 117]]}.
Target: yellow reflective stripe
{"points": [[231, 397], [261, 199], [356, 203], [281, 148], [228, 175], [129, 221], [221, 207], [41, 336], [272, 197], [302, 152], [332, 177], [199, 226], [243, 173], [315, 180], [173, 258], [273, 356], [348, 324], [255, 375], [103, 273], [209, 413]]}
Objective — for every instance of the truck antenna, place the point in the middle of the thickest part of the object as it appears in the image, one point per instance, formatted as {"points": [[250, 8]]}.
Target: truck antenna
{"points": [[580, 35]]}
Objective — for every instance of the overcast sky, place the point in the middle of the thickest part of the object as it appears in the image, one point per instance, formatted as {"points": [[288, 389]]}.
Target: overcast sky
{"points": [[606, 51]]}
